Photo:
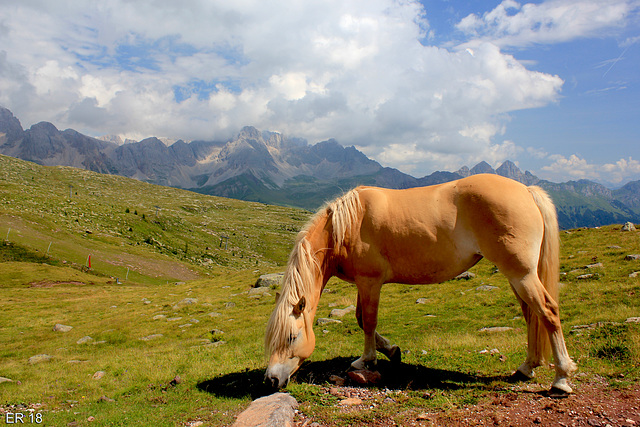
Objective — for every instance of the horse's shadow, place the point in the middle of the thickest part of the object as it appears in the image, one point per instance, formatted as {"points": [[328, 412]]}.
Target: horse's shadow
{"points": [[250, 383]]}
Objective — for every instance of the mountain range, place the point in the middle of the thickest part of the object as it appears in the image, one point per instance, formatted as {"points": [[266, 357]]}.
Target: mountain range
{"points": [[271, 168]]}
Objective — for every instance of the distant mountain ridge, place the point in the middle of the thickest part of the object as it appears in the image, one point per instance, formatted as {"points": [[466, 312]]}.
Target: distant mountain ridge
{"points": [[271, 168]]}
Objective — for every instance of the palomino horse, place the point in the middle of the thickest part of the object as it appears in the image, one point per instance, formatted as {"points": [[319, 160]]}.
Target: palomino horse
{"points": [[371, 236]]}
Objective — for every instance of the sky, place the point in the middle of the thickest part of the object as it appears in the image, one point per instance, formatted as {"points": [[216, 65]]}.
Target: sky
{"points": [[421, 86]]}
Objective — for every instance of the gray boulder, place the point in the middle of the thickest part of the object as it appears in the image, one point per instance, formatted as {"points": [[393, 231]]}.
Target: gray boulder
{"points": [[276, 410], [269, 280]]}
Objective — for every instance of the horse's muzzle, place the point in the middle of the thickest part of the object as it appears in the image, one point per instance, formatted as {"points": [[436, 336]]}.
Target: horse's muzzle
{"points": [[277, 378]]}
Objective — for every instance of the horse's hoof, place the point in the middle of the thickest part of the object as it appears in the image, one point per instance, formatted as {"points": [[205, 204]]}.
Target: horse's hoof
{"points": [[360, 364], [395, 356], [518, 376], [558, 393]]}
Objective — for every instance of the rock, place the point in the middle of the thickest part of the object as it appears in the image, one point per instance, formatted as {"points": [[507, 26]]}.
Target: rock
{"points": [[350, 401], [324, 321], [38, 358], [159, 316], [215, 344], [84, 340], [586, 276], [421, 301], [495, 329], [269, 280], [173, 319], [467, 275], [185, 302], [276, 410], [62, 328], [596, 265], [335, 379], [365, 376], [341, 312], [634, 274], [628, 226], [229, 304], [105, 399], [151, 337], [632, 320], [486, 288], [213, 314], [5, 380], [633, 257], [98, 375]]}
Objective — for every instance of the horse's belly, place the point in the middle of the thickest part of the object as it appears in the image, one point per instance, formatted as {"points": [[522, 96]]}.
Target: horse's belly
{"points": [[430, 270]]}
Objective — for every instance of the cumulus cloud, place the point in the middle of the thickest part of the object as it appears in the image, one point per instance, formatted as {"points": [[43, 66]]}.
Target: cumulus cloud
{"points": [[553, 21], [317, 69], [578, 168]]}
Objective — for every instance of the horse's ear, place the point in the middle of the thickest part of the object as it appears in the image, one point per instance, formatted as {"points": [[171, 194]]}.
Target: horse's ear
{"points": [[299, 307], [277, 296]]}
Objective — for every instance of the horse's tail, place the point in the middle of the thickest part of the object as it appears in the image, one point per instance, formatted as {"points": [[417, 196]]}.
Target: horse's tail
{"points": [[548, 268]]}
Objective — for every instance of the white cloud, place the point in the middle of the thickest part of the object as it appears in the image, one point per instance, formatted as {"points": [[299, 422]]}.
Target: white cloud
{"points": [[576, 167], [356, 71], [552, 21]]}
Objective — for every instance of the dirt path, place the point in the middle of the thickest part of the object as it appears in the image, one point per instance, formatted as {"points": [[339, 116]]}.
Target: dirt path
{"points": [[593, 404]]}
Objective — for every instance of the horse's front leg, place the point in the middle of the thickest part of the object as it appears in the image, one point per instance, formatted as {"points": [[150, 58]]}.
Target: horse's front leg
{"points": [[383, 345], [367, 315]]}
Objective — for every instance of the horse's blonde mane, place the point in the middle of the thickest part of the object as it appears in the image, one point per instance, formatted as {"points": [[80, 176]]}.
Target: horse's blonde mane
{"points": [[302, 266]]}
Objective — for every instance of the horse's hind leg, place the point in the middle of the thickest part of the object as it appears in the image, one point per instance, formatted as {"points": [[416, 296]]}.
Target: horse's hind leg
{"points": [[383, 345], [542, 315]]}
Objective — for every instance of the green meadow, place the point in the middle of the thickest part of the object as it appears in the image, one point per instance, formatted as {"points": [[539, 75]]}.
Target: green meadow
{"points": [[165, 330]]}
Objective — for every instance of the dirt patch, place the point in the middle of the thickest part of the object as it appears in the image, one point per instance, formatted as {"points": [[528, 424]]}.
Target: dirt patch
{"points": [[593, 404], [51, 284]]}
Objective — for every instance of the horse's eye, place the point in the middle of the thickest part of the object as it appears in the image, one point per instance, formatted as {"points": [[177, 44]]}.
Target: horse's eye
{"points": [[292, 338]]}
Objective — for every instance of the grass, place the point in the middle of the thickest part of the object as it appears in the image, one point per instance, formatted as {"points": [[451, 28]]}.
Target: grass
{"points": [[448, 362]]}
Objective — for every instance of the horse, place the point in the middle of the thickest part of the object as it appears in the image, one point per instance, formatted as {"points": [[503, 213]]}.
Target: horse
{"points": [[371, 236]]}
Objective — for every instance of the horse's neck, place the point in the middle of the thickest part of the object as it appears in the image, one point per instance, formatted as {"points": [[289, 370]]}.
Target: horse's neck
{"points": [[320, 238]]}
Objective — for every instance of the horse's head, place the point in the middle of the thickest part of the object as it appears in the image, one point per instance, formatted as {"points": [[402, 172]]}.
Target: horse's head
{"points": [[289, 340]]}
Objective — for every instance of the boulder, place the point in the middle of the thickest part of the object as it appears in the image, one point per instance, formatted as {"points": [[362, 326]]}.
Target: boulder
{"points": [[632, 257], [467, 275], [628, 226], [62, 328], [276, 410], [341, 312], [185, 302], [269, 280]]}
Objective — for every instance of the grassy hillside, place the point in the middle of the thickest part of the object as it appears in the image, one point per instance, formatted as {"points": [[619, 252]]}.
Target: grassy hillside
{"points": [[160, 234], [180, 341]]}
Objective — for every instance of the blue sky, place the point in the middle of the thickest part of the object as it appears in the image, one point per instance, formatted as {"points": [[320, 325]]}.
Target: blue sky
{"points": [[420, 86]]}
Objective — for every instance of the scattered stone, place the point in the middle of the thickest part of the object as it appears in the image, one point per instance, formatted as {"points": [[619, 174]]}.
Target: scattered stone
{"points": [[614, 247], [98, 375], [633, 257], [467, 275], [186, 325], [216, 332], [213, 314], [195, 423], [175, 381], [350, 401], [421, 301], [634, 274], [276, 410], [632, 320], [229, 304], [91, 419], [62, 328], [105, 399], [38, 358], [84, 340], [185, 302], [341, 312], [365, 376], [596, 265], [337, 380], [151, 337], [486, 288], [145, 301], [496, 329], [628, 226], [586, 276], [269, 280], [325, 321], [173, 319], [5, 380], [159, 316]]}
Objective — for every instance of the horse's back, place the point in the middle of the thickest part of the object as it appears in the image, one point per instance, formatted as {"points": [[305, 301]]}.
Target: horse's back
{"points": [[430, 234]]}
